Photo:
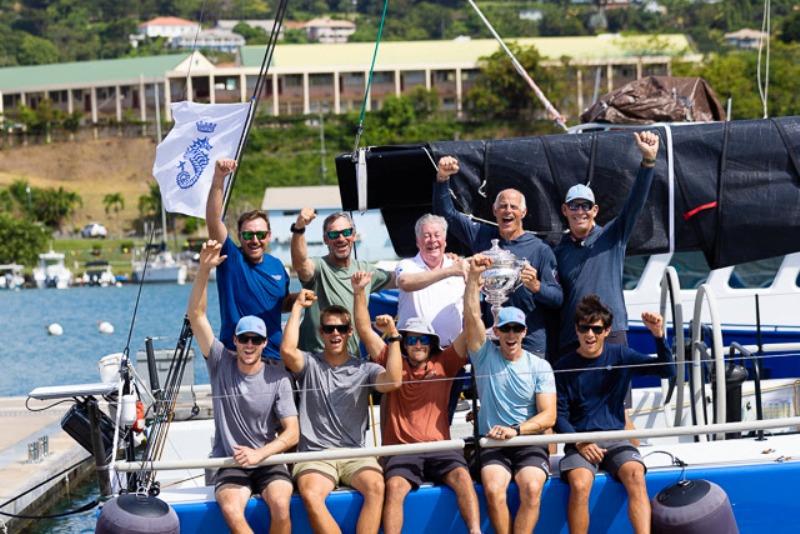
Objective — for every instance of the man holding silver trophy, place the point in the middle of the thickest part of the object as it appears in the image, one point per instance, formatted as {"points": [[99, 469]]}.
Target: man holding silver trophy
{"points": [[539, 287]]}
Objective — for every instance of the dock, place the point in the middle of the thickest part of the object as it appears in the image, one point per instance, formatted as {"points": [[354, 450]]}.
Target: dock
{"points": [[33, 481]]}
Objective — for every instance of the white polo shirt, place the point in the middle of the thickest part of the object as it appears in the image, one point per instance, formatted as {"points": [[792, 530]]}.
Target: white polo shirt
{"points": [[441, 304]]}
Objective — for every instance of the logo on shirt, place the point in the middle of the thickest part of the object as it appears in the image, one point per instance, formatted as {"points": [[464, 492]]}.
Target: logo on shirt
{"points": [[277, 276]]}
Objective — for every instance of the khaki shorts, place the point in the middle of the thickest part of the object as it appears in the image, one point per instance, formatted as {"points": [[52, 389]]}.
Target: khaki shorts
{"points": [[340, 471]]}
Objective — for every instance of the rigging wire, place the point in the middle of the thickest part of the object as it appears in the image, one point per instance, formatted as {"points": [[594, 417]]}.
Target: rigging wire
{"points": [[554, 113], [363, 112], [766, 34]]}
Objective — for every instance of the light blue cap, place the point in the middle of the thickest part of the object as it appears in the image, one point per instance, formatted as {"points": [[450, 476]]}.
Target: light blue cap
{"points": [[580, 192], [250, 324], [510, 315]]}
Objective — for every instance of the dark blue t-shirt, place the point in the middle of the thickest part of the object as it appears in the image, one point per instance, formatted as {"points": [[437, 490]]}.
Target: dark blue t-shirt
{"points": [[251, 289], [594, 265], [478, 237], [591, 391]]}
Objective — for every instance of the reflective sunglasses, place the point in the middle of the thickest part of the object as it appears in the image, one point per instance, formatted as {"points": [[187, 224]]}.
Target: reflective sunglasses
{"points": [[244, 339], [248, 235], [334, 234], [597, 329], [331, 328], [424, 339], [512, 327], [576, 206]]}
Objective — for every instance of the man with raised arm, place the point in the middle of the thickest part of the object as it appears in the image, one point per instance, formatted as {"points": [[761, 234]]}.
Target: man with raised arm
{"points": [[334, 398], [254, 411], [592, 383], [518, 397], [250, 282], [329, 276], [591, 257], [431, 284], [417, 411], [540, 288]]}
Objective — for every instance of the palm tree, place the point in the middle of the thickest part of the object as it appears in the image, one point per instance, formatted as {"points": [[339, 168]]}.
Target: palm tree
{"points": [[114, 202]]}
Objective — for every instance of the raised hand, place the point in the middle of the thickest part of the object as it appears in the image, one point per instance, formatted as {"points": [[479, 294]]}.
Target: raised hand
{"points": [[385, 325], [305, 217], [360, 280], [223, 167], [477, 264], [448, 166], [209, 254], [647, 142], [305, 298], [654, 322]]}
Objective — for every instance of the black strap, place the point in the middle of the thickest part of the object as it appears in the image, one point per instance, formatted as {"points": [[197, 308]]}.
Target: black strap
{"points": [[592, 154], [723, 166], [554, 176]]}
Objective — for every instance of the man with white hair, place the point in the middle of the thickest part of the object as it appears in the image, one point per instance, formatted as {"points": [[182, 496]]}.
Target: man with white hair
{"points": [[431, 284], [540, 286]]}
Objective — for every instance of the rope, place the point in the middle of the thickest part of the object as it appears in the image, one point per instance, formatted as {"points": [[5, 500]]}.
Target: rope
{"points": [[360, 128], [766, 29], [86, 507]]}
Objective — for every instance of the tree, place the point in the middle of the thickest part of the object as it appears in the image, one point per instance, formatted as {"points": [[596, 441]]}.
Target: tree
{"points": [[500, 92], [252, 36], [114, 202], [790, 30], [20, 241], [52, 206]]}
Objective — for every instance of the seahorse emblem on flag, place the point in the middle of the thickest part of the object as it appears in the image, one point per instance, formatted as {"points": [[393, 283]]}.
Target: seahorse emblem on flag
{"points": [[195, 154]]}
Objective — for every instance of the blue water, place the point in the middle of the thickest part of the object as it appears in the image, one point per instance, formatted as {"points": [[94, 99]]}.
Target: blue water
{"points": [[30, 357]]}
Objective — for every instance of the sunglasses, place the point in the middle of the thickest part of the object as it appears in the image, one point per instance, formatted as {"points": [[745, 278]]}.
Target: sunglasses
{"points": [[577, 206], [424, 339], [248, 235], [513, 327], [596, 329], [331, 328], [334, 234], [244, 339]]}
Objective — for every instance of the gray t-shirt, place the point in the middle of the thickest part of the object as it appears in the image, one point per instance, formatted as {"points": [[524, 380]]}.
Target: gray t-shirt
{"points": [[247, 408], [334, 402], [332, 285]]}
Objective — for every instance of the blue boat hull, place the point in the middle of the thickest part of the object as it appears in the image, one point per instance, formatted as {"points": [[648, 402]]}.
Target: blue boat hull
{"points": [[763, 499]]}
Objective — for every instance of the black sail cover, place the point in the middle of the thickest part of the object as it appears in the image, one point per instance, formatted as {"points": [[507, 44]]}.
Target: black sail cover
{"points": [[736, 186]]}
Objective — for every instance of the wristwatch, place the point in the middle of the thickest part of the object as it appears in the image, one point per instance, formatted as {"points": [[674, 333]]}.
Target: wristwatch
{"points": [[515, 428], [392, 339], [295, 230]]}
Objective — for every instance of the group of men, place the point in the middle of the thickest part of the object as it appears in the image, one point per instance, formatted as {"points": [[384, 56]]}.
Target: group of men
{"points": [[440, 327]]}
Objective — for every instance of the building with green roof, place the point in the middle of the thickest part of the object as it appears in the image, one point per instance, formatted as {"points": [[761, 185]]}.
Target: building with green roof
{"points": [[312, 78]]}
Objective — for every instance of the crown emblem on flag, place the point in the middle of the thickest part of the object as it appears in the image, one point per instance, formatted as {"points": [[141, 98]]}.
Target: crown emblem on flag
{"points": [[206, 127]]}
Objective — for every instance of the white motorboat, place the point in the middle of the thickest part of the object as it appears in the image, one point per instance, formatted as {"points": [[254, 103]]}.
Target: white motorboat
{"points": [[51, 271], [98, 273], [11, 276]]}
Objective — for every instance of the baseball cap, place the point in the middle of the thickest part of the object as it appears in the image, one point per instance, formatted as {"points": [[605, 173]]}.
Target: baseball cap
{"points": [[250, 324], [510, 315], [579, 191], [418, 325]]}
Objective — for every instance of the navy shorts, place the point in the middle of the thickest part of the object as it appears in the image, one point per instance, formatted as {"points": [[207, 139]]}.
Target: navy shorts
{"points": [[257, 478], [617, 454], [419, 468], [515, 458]]}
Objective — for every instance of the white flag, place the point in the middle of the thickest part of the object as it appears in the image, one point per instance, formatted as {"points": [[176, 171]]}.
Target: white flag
{"points": [[184, 166]]}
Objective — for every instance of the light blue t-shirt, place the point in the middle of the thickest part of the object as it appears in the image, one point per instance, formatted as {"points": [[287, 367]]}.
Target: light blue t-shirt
{"points": [[507, 390]]}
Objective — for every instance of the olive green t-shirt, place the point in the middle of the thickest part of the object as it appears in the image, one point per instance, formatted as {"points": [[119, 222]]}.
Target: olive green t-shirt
{"points": [[332, 286]]}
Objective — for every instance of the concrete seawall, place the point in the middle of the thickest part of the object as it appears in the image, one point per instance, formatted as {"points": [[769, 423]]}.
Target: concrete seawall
{"points": [[31, 488]]}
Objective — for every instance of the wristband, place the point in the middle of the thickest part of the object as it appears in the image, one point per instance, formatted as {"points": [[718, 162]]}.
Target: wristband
{"points": [[649, 161], [516, 429], [295, 230], [392, 339]]}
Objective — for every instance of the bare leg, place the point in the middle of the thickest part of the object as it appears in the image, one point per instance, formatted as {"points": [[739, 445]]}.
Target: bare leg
{"points": [[314, 488], [631, 474], [495, 480], [580, 487], [462, 485], [530, 481], [232, 500], [397, 488], [278, 495], [369, 483]]}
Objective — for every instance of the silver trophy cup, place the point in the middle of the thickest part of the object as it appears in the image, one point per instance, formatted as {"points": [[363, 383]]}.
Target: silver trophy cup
{"points": [[501, 279]]}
